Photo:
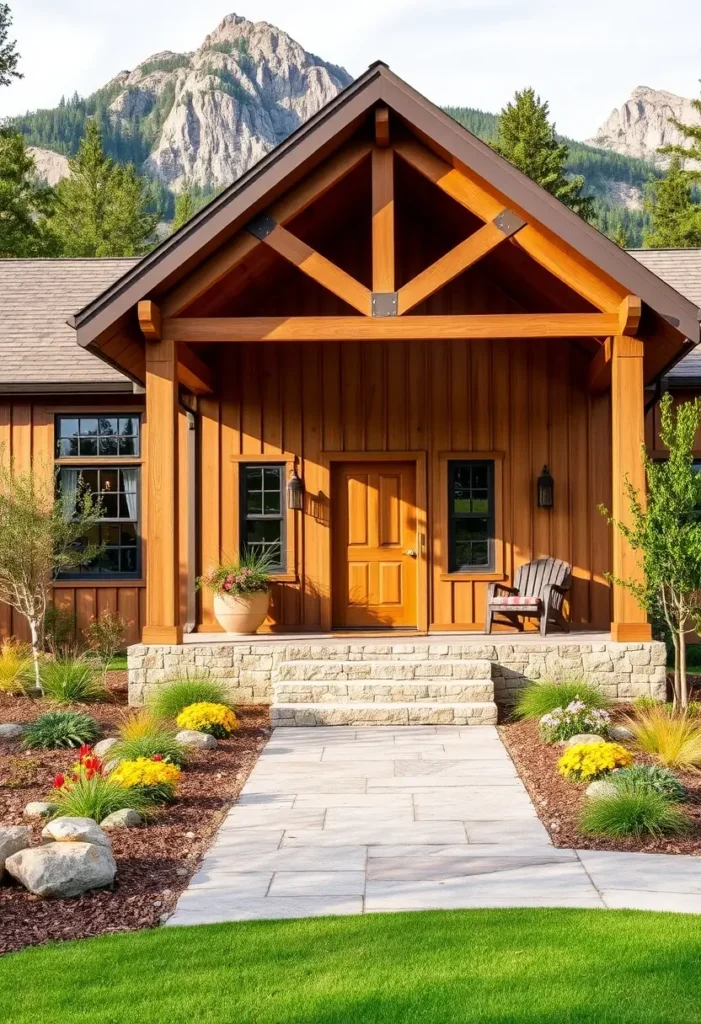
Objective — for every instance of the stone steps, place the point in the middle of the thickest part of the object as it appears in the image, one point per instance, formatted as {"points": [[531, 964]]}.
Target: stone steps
{"points": [[384, 713], [387, 691], [327, 670]]}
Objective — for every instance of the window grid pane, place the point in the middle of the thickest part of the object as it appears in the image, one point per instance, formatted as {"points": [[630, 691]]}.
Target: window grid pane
{"points": [[118, 529], [263, 512], [97, 435], [471, 516]]}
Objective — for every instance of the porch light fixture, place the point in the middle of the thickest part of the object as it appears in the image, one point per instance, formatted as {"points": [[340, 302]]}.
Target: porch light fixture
{"points": [[546, 488], [295, 491]]}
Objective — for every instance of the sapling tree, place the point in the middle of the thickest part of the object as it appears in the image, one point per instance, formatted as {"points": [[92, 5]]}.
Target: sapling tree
{"points": [[665, 530], [105, 639], [41, 535]]}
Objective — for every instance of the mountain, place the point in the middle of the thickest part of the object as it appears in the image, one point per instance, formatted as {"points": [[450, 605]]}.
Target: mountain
{"points": [[642, 125]]}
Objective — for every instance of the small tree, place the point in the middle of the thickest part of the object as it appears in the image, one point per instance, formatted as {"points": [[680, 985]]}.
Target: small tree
{"points": [[105, 638], [666, 531], [40, 536]]}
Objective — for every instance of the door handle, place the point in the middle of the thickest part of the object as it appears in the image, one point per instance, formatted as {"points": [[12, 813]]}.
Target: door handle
{"points": [[411, 553]]}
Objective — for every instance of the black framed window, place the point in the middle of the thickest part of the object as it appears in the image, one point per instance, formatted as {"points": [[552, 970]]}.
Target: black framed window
{"points": [[99, 436], [263, 512], [117, 489], [471, 516]]}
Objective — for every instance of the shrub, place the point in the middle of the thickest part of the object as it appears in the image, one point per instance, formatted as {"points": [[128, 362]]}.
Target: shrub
{"points": [[651, 778], [562, 723], [60, 729], [633, 811], [587, 761], [538, 699], [161, 744], [96, 797], [153, 778], [16, 667], [179, 694], [216, 719], [672, 738], [70, 681], [105, 638], [60, 633]]}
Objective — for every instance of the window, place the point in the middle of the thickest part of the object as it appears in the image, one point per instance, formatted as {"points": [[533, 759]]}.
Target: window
{"points": [[471, 516], [97, 436], [116, 486], [263, 512]]}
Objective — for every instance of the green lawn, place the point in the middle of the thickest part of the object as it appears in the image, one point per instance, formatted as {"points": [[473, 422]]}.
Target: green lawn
{"points": [[536, 966], [118, 663]]}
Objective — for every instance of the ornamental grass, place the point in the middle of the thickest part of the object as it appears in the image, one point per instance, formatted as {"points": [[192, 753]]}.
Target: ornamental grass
{"points": [[216, 719], [540, 698], [57, 729], [673, 738], [588, 761], [98, 796], [180, 693], [161, 744], [71, 681], [16, 667], [633, 812]]}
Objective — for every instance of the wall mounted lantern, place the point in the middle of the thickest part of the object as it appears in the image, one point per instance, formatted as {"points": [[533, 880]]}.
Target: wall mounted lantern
{"points": [[546, 489], [295, 491]]}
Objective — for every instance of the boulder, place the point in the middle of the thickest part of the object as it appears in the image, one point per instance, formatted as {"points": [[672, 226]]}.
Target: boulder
{"points": [[620, 733], [126, 818], [63, 869], [584, 737], [74, 830], [39, 809], [601, 788], [10, 731], [12, 839], [192, 738], [104, 746]]}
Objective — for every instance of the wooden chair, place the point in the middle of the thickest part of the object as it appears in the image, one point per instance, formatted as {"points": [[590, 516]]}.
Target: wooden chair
{"points": [[540, 590]]}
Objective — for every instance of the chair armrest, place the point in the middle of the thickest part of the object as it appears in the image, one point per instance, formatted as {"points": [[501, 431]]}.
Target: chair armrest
{"points": [[553, 588], [494, 589]]}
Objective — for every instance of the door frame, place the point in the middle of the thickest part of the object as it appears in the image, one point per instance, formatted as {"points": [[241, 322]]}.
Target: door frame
{"points": [[419, 458]]}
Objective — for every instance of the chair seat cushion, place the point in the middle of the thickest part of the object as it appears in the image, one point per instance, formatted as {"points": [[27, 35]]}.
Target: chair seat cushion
{"points": [[516, 601]]}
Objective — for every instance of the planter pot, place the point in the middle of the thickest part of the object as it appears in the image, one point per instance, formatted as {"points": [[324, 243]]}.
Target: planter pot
{"points": [[241, 613]]}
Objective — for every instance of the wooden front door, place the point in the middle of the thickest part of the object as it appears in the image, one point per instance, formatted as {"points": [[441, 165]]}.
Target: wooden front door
{"points": [[375, 545]]}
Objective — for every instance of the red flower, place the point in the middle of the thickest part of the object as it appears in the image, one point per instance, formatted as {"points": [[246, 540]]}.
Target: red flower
{"points": [[59, 781], [157, 757], [85, 751]]}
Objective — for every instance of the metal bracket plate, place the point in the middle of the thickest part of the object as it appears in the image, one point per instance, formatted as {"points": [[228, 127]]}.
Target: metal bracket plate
{"points": [[509, 222], [262, 226], [384, 303]]}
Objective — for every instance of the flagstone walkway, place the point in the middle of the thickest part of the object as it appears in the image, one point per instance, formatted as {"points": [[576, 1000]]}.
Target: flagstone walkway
{"points": [[349, 820]]}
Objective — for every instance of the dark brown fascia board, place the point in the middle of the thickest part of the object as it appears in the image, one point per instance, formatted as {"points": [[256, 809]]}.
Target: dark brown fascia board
{"points": [[107, 387], [215, 220], [441, 133]]}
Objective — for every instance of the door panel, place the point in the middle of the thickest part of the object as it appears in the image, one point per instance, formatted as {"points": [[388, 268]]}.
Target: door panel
{"points": [[374, 527]]}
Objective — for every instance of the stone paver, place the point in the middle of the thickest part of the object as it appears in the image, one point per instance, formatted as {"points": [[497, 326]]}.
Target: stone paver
{"points": [[346, 820]]}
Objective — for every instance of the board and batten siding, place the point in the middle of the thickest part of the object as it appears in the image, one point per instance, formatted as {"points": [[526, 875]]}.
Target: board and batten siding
{"points": [[27, 436], [525, 399]]}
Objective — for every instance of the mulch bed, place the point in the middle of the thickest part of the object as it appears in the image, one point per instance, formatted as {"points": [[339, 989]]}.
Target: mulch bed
{"points": [[154, 862], [558, 802]]}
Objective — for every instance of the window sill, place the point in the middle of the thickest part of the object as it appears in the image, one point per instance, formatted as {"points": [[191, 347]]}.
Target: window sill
{"points": [[470, 576], [97, 581], [283, 577]]}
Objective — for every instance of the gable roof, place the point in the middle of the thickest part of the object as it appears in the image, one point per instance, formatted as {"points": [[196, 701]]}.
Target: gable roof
{"points": [[37, 348], [157, 272]]}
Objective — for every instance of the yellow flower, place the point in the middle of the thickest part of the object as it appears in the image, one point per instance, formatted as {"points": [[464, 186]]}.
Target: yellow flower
{"points": [[145, 772], [215, 719], [587, 761]]}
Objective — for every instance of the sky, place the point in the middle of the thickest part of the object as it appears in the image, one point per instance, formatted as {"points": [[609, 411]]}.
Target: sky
{"points": [[585, 59]]}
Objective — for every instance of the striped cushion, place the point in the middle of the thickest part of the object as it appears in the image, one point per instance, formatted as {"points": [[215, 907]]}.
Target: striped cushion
{"points": [[515, 601]]}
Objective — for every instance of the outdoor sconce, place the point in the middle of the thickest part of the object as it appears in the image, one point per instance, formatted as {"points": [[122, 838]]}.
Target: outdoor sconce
{"points": [[546, 488], [295, 491]]}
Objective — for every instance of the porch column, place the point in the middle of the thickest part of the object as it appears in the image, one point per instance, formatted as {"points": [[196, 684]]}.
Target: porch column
{"points": [[627, 417], [162, 603]]}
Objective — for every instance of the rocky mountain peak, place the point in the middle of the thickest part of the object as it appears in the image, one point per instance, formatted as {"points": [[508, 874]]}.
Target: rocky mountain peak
{"points": [[642, 125]]}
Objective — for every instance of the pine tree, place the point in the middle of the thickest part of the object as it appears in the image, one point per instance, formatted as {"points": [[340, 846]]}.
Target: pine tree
{"points": [[528, 140], [24, 202], [9, 58], [184, 209], [692, 134], [675, 219], [101, 208]]}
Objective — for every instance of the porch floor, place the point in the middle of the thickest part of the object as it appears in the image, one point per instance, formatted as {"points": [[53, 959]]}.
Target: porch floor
{"points": [[399, 636]]}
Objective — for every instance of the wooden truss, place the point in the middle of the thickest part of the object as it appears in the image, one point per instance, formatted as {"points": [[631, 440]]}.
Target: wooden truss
{"points": [[382, 310]]}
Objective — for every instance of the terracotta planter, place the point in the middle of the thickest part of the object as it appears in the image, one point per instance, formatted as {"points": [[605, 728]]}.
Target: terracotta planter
{"points": [[241, 613]]}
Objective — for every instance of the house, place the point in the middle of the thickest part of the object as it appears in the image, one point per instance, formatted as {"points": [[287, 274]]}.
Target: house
{"points": [[390, 311]]}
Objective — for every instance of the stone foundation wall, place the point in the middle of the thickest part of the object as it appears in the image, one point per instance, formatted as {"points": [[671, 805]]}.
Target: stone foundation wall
{"points": [[622, 671]]}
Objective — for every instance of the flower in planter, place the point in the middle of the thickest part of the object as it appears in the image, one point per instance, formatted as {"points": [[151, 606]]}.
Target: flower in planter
{"points": [[216, 719], [588, 761], [561, 723], [250, 574]]}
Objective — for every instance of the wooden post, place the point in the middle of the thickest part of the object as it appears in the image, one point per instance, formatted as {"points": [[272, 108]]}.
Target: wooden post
{"points": [[627, 419], [161, 476], [382, 220]]}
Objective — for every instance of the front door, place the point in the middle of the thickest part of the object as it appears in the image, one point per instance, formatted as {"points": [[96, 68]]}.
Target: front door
{"points": [[374, 529]]}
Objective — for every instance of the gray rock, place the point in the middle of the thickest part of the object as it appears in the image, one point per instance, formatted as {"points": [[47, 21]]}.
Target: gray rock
{"points": [[584, 737], [63, 869], [104, 746], [126, 818], [12, 839], [601, 787], [620, 733], [192, 738], [10, 731], [74, 830], [39, 809]]}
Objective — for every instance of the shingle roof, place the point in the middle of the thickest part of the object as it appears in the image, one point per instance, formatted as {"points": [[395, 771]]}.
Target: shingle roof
{"points": [[37, 347], [682, 269]]}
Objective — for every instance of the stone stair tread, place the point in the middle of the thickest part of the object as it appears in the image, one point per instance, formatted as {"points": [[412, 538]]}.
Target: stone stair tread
{"points": [[386, 712], [384, 690]]}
